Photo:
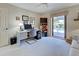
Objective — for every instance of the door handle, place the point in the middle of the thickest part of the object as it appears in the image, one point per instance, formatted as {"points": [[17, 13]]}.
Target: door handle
{"points": [[6, 29]]}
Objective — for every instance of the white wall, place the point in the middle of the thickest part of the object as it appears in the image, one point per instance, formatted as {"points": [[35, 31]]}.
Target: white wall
{"points": [[71, 24], [12, 22]]}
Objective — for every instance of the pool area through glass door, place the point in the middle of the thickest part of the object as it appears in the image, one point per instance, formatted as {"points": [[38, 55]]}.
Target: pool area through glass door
{"points": [[59, 26]]}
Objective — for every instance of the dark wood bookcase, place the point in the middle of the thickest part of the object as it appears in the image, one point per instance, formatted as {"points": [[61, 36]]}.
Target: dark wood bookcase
{"points": [[44, 26]]}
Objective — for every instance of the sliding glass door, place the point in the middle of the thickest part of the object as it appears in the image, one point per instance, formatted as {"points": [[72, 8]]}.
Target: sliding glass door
{"points": [[59, 26]]}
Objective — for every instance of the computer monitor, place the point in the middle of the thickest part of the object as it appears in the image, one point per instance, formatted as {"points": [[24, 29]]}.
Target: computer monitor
{"points": [[27, 26]]}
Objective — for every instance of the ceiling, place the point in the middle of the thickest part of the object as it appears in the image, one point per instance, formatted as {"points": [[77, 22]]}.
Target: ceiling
{"points": [[43, 7]]}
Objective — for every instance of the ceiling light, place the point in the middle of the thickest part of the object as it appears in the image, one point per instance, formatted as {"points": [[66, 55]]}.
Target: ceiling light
{"points": [[43, 5]]}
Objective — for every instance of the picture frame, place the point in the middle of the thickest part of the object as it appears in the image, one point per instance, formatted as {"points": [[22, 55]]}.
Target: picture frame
{"points": [[25, 18], [17, 18], [32, 20]]}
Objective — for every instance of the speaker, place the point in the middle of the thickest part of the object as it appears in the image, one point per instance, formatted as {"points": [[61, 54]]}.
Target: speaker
{"points": [[13, 40]]}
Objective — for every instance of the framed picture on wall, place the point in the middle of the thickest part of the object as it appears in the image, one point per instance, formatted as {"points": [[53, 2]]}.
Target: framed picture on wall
{"points": [[17, 18], [25, 18], [32, 20]]}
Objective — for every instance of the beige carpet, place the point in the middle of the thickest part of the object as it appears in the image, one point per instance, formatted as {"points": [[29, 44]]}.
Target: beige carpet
{"points": [[47, 46]]}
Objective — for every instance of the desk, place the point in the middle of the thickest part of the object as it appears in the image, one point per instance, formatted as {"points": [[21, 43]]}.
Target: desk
{"points": [[21, 35]]}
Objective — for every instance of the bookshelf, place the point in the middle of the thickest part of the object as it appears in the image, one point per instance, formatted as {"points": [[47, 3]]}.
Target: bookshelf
{"points": [[44, 26]]}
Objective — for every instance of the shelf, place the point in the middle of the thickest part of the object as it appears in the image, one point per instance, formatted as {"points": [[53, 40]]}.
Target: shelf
{"points": [[76, 19]]}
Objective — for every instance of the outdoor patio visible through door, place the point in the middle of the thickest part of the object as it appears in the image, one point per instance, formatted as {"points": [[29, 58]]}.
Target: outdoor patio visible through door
{"points": [[59, 26]]}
